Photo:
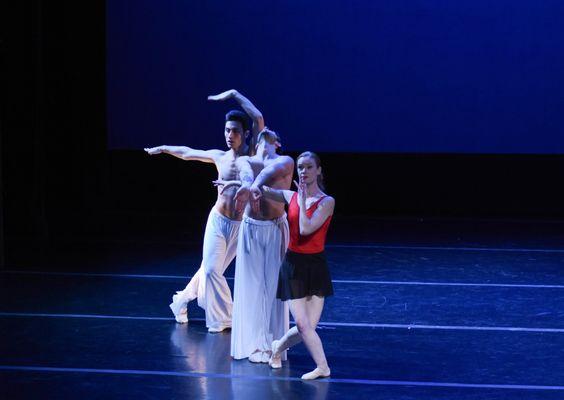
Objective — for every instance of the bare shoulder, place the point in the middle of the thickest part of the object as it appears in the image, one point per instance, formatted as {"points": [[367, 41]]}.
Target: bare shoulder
{"points": [[286, 160], [327, 202], [217, 153], [255, 160]]}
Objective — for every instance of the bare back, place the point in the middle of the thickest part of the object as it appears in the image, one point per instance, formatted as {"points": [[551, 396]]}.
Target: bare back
{"points": [[270, 209]]}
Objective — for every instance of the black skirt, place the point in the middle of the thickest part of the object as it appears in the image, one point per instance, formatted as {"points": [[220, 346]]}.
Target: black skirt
{"points": [[303, 275]]}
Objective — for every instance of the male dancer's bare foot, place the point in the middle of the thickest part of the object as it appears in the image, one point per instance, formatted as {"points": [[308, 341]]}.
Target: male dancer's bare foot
{"points": [[317, 373], [179, 309], [260, 357], [219, 329]]}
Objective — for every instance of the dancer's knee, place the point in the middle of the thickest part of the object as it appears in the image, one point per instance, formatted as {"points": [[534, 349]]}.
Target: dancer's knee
{"points": [[304, 326]]}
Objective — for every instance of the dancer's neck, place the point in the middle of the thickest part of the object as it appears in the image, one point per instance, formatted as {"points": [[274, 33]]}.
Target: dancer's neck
{"points": [[240, 151], [313, 190]]}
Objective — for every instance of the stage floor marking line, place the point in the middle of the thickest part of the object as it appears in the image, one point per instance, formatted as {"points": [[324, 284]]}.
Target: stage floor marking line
{"points": [[279, 378], [323, 323], [347, 281]]}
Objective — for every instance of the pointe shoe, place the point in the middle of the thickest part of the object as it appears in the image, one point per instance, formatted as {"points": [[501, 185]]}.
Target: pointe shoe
{"points": [[316, 373], [275, 362], [179, 309]]}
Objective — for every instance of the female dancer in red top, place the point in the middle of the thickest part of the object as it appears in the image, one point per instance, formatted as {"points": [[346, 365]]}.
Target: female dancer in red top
{"points": [[304, 277]]}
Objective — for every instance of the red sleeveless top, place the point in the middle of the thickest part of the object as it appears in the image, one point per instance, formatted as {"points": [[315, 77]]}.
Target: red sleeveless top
{"points": [[310, 244]]}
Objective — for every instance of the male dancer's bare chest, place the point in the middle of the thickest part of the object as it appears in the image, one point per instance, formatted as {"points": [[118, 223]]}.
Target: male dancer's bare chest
{"points": [[227, 170]]}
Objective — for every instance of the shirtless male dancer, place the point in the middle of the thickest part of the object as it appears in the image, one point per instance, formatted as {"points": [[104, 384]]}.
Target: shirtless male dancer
{"points": [[258, 316], [209, 285]]}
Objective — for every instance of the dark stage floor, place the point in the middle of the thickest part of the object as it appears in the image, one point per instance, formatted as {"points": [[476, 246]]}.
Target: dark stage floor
{"points": [[467, 314]]}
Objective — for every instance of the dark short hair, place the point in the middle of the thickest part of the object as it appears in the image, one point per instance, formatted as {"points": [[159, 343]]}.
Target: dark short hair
{"points": [[239, 116]]}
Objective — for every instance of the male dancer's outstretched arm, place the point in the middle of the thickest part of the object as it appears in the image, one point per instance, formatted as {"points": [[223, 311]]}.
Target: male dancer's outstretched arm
{"points": [[250, 109], [187, 153]]}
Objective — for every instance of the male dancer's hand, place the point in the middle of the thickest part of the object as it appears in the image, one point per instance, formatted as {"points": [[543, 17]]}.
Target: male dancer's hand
{"points": [[223, 184], [153, 150], [241, 198], [256, 195], [301, 186], [223, 96]]}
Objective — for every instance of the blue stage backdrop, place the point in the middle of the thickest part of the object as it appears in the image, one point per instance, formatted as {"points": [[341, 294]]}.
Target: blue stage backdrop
{"points": [[433, 76]]}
